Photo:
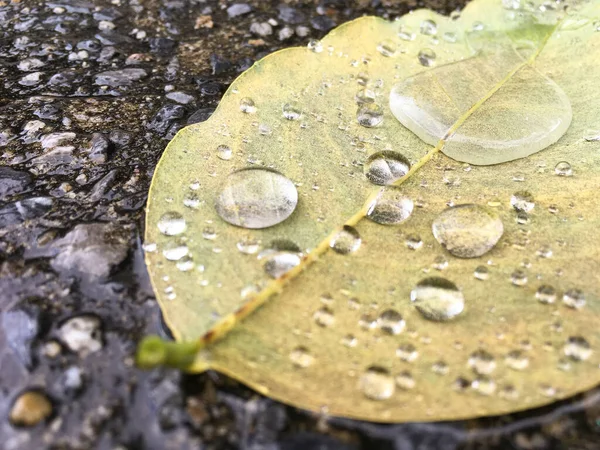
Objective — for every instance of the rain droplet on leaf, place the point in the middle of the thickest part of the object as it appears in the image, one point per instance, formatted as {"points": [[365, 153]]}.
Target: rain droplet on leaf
{"points": [[437, 299], [390, 207], [370, 115], [386, 167], [377, 384], [347, 240], [247, 105], [171, 223]]}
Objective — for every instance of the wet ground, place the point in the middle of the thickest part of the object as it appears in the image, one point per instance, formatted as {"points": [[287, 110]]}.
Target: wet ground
{"points": [[90, 94]]}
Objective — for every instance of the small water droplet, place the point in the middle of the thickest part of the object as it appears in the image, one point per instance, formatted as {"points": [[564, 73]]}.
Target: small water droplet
{"points": [[405, 380], [427, 57], [577, 348], [437, 299], [407, 352], [482, 362], [406, 34], [574, 298], [315, 46], [440, 263], [481, 273], [511, 4], [301, 357], [468, 231], [478, 26], [386, 167], [428, 27], [249, 246], [349, 340], [224, 152], [247, 105], [175, 251], [522, 201], [364, 96], [209, 233], [171, 223], [256, 198], [369, 115], [185, 264], [517, 360], [367, 322], [546, 294], [191, 200], [347, 240], [518, 278], [291, 111], [281, 256], [377, 383], [484, 385], [391, 322], [413, 242], [387, 48], [563, 169], [440, 367], [390, 207], [450, 37], [324, 317]]}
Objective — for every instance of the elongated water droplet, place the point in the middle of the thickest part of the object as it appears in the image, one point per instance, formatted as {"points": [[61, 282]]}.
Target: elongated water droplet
{"points": [[281, 256], [413, 242], [437, 299], [175, 251], [347, 240], [468, 231], [484, 385], [387, 48], [377, 383], [370, 115], [256, 198], [390, 207], [481, 273], [171, 223], [386, 167]]}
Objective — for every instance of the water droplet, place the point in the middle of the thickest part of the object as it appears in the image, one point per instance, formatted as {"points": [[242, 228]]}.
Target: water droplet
{"points": [[440, 367], [563, 169], [522, 201], [391, 322], [390, 207], [256, 198], [440, 263], [324, 317], [484, 385], [171, 223], [518, 278], [427, 57], [249, 246], [517, 360], [209, 234], [369, 115], [364, 96], [437, 299], [281, 256], [349, 340], [301, 357], [387, 48], [367, 322], [407, 352], [468, 231], [481, 273], [577, 348], [175, 251], [511, 4], [546, 294], [191, 200], [386, 167], [362, 78], [315, 45], [544, 252], [405, 380], [428, 27], [450, 37], [224, 152], [482, 362], [413, 242], [478, 26], [347, 240], [406, 34], [377, 383], [291, 111], [185, 264], [247, 105], [574, 298]]}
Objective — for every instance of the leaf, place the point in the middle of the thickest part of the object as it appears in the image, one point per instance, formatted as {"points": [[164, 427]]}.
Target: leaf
{"points": [[390, 326]]}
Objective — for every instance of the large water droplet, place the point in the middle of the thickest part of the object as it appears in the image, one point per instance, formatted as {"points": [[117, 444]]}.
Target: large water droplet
{"points": [[437, 299], [256, 198], [224, 152], [347, 240], [386, 167], [468, 231], [369, 115], [390, 207], [315, 46], [171, 223], [377, 383], [391, 322]]}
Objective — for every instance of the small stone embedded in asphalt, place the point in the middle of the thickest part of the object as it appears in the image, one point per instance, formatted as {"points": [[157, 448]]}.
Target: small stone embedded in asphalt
{"points": [[261, 29], [98, 148], [291, 15], [13, 182], [165, 117], [82, 334], [123, 77], [200, 115], [238, 9]]}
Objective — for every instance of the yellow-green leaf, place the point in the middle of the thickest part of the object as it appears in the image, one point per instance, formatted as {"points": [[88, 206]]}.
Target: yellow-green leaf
{"points": [[364, 312]]}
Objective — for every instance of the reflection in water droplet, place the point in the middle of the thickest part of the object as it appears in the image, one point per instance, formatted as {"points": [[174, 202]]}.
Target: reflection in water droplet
{"points": [[428, 27], [563, 169], [386, 167], [522, 201], [427, 57], [291, 111], [481, 273], [405, 380], [171, 223], [315, 46], [377, 383], [517, 360], [347, 240], [574, 298], [546, 294], [407, 352], [369, 115], [518, 278], [387, 48], [249, 246], [247, 105], [391, 322], [324, 317], [577, 348], [175, 251], [437, 299], [256, 198], [482, 362], [413, 242], [301, 357], [390, 207], [468, 231]]}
